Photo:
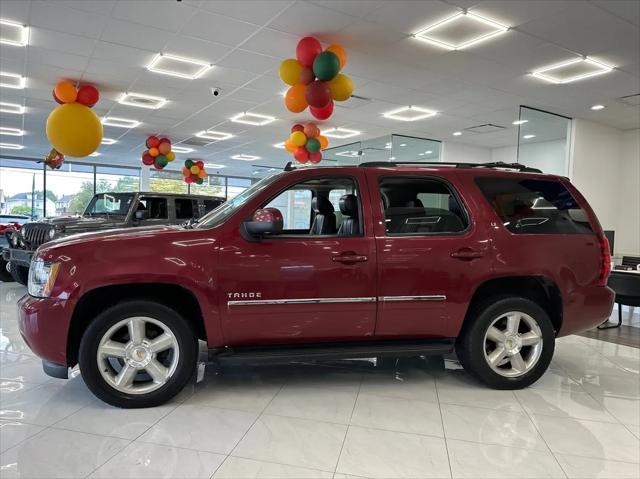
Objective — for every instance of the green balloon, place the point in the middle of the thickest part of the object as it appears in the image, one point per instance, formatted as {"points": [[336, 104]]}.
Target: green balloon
{"points": [[188, 163], [326, 66], [161, 161], [313, 145], [200, 181]]}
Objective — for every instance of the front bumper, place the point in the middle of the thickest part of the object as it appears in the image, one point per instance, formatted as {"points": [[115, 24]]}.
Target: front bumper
{"points": [[20, 257]]}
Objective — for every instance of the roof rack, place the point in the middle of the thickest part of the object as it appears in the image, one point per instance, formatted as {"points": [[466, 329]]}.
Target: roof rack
{"points": [[495, 164]]}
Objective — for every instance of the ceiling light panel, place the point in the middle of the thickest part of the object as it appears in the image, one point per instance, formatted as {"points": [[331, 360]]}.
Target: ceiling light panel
{"points": [[460, 31], [520, 122], [180, 67], [340, 133], [12, 80], [214, 166], [94, 154], [213, 135], [10, 146], [108, 141], [254, 119], [181, 149], [279, 145], [13, 108], [4, 130], [142, 101], [528, 137], [13, 33], [572, 70], [243, 157], [120, 122], [348, 154], [410, 113]]}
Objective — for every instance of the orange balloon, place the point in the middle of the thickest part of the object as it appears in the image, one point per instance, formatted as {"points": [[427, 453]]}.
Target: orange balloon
{"points": [[324, 142], [311, 130], [164, 148], [294, 100], [340, 53], [186, 171], [202, 174], [66, 92], [290, 147], [154, 152]]}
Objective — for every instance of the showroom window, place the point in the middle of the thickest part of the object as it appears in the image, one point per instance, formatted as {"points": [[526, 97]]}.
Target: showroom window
{"points": [[212, 186], [22, 188], [235, 186], [71, 188], [163, 181], [117, 179]]}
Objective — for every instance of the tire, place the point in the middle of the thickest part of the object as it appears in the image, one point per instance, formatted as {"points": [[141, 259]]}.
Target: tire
{"points": [[476, 348], [19, 273], [178, 362], [5, 274]]}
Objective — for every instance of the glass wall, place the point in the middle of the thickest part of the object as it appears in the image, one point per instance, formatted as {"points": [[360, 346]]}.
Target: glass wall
{"points": [[22, 188], [110, 178], [385, 148], [212, 186], [235, 186], [71, 188], [164, 181]]}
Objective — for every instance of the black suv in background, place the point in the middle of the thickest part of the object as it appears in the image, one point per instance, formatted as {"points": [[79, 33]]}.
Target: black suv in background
{"points": [[104, 211]]}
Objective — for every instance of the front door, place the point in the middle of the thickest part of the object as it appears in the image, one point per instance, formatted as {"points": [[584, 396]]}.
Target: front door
{"points": [[314, 282]]}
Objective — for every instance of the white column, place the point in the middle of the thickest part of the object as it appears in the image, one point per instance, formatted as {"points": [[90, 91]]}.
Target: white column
{"points": [[144, 178]]}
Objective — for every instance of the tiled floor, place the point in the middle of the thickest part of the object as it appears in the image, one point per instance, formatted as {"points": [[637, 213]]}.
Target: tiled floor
{"points": [[334, 420]]}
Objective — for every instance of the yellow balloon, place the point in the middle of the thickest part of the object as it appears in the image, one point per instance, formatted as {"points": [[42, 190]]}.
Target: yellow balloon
{"points": [[195, 170], [341, 87], [290, 71], [298, 138], [170, 156], [74, 130]]}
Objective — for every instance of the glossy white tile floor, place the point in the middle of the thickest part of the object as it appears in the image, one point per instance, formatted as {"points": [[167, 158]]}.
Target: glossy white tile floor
{"points": [[335, 420]]}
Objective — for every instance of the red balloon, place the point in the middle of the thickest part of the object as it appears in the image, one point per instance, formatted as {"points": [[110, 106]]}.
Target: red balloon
{"points": [[153, 142], [297, 127], [164, 140], [322, 113], [306, 76], [147, 159], [307, 50], [301, 154], [88, 95], [58, 100], [315, 157], [318, 94], [200, 164]]}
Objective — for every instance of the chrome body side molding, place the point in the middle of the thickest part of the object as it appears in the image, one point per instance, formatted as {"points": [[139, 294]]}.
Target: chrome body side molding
{"points": [[428, 297], [368, 299]]}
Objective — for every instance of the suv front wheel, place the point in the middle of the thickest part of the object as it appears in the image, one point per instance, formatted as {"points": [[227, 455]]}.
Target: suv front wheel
{"points": [[507, 343], [137, 354]]}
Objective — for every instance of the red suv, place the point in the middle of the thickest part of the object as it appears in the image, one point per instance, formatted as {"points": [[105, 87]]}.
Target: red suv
{"points": [[375, 260]]}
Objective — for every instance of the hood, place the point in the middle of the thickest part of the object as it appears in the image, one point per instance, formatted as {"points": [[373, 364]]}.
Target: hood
{"points": [[79, 223], [141, 233]]}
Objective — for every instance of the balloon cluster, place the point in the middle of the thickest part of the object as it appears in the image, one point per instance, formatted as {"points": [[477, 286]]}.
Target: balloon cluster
{"points": [[54, 159], [159, 152], [193, 172], [315, 78], [306, 143], [73, 128]]}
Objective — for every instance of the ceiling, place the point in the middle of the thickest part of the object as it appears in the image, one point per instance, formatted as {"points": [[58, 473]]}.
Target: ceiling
{"points": [[109, 43]]}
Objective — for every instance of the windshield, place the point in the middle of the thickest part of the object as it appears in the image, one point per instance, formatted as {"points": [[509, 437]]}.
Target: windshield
{"points": [[220, 214], [110, 204]]}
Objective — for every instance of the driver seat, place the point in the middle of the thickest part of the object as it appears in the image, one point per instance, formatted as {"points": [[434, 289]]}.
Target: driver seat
{"points": [[324, 221]]}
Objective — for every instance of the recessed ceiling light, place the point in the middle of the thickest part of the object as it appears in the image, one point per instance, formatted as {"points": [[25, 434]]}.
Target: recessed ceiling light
{"points": [[457, 133], [409, 113], [5, 130], [572, 70], [451, 33], [254, 119], [180, 67], [279, 145], [528, 137], [142, 101], [243, 157], [10, 146], [181, 149], [428, 152], [11, 108], [348, 154], [340, 133], [598, 107], [214, 166], [520, 122], [403, 144], [213, 135], [392, 158], [12, 80], [420, 154], [120, 122], [95, 153], [14, 33], [108, 141]]}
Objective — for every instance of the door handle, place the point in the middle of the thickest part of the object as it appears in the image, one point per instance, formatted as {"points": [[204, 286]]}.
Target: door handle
{"points": [[350, 258], [467, 254]]}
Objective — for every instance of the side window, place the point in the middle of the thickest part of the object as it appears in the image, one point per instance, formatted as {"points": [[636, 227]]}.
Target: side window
{"points": [[295, 206], [156, 207], [186, 208], [416, 206], [210, 204]]}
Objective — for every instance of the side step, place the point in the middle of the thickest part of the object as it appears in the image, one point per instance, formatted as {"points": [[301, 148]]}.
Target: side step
{"points": [[323, 351]]}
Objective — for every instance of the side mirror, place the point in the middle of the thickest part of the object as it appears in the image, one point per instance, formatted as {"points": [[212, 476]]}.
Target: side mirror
{"points": [[265, 221], [142, 215]]}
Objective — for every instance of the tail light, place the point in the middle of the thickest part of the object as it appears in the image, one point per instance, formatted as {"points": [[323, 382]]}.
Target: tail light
{"points": [[605, 257]]}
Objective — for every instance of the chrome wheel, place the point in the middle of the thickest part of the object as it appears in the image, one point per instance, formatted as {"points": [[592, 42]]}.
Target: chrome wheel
{"points": [[513, 344], [138, 355]]}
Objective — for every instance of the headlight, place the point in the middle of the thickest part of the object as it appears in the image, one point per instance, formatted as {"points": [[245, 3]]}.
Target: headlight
{"points": [[42, 276], [14, 240], [52, 233]]}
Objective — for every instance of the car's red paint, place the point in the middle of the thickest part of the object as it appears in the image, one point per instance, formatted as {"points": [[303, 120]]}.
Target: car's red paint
{"points": [[219, 265]]}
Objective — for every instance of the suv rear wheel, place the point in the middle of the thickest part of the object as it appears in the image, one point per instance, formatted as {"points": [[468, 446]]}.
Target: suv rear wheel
{"points": [[508, 343], [137, 354], [5, 273], [19, 273]]}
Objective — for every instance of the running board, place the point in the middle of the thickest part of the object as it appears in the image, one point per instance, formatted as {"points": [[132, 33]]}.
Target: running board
{"points": [[323, 351]]}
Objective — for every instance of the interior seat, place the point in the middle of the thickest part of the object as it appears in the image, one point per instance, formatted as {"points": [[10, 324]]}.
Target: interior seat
{"points": [[349, 208], [324, 221]]}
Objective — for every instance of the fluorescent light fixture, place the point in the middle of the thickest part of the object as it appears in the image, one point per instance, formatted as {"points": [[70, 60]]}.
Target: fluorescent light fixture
{"points": [[420, 154], [12, 80], [214, 166], [5, 130], [11, 108], [431, 33], [279, 145], [403, 144], [520, 122], [348, 154], [411, 113], [10, 146], [14, 33], [428, 152], [243, 157], [598, 107], [181, 149], [171, 64], [254, 119], [392, 158], [457, 133], [108, 141], [142, 101], [95, 153], [388, 146], [340, 133], [120, 122], [213, 135], [546, 73], [528, 137]]}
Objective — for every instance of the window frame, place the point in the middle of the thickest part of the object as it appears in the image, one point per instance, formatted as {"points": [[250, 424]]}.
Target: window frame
{"points": [[454, 192]]}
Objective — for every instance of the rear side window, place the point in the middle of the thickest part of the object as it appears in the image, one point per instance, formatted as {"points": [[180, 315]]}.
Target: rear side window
{"points": [[532, 206], [186, 208]]}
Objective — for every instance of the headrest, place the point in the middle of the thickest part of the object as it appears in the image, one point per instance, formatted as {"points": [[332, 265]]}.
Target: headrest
{"points": [[349, 205], [321, 205], [415, 203], [385, 200]]}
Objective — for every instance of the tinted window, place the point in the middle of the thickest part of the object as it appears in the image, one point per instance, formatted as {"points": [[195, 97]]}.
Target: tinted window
{"points": [[157, 207], [185, 208], [534, 206], [420, 206], [210, 204], [110, 203]]}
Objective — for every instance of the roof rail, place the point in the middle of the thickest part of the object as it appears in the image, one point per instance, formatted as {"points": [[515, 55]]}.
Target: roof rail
{"points": [[495, 164]]}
